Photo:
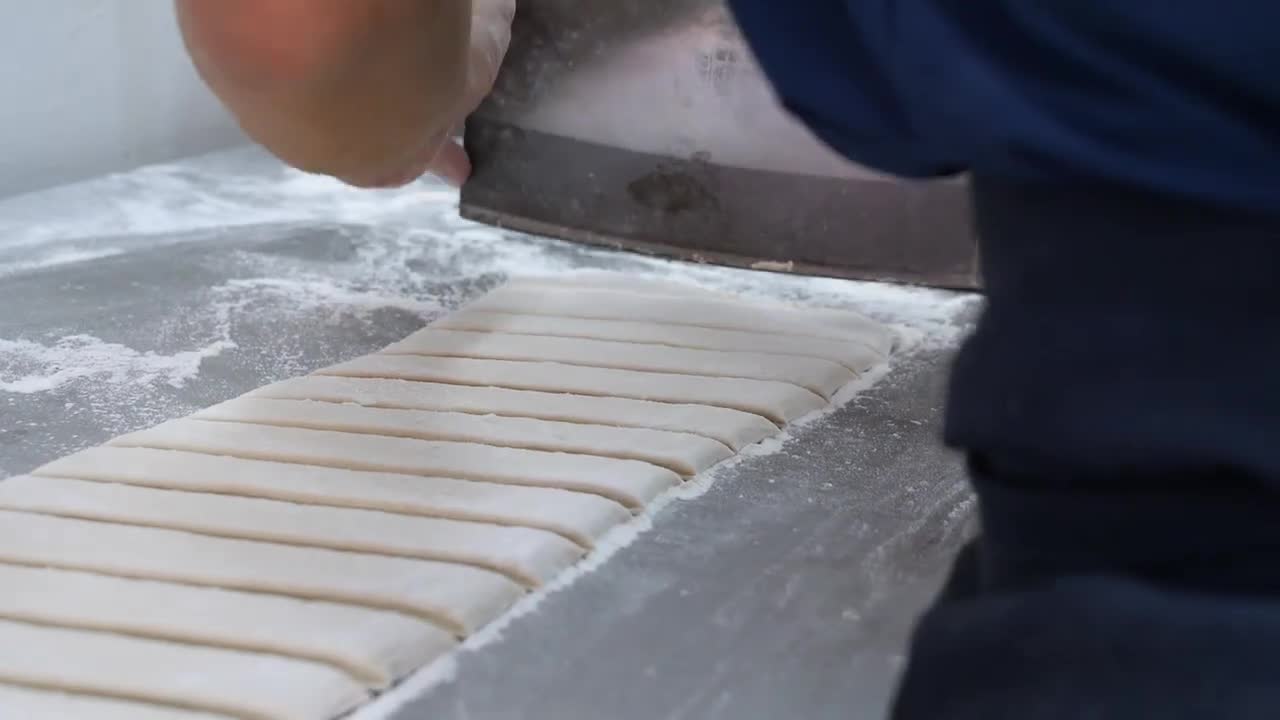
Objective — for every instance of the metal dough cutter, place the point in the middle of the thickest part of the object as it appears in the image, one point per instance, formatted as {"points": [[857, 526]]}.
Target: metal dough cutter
{"points": [[646, 125]]}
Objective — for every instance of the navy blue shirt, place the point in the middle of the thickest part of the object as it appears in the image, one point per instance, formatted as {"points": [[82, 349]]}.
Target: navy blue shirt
{"points": [[1177, 96], [1119, 400], [1126, 166]]}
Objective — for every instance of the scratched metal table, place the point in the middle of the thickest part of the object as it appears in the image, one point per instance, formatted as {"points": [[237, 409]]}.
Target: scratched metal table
{"points": [[786, 591]]}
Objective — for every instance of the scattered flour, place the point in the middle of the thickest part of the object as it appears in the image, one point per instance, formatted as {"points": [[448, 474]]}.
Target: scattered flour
{"points": [[222, 190], [85, 357], [411, 252], [57, 256], [400, 232], [318, 291]]}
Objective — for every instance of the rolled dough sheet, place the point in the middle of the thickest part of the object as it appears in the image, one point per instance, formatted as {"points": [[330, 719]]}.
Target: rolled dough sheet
{"points": [[629, 482], [777, 401], [581, 517], [734, 428], [681, 452], [373, 646], [813, 374], [856, 356], [529, 557], [458, 598], [266, 687], [22, 703], [711, 312], [277, 556]]}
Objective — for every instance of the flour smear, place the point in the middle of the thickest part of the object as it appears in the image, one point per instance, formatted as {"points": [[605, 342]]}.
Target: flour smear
{"points": [[29, 367], [396, 233]]}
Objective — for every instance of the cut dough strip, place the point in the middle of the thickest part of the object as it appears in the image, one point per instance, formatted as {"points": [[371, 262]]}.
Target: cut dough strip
{"points": [[780, 402], [734, 428], [530, 557], [816, 375], [857, 357], [608, 280], [680, 452], [277, 556], [630, 482], [22, 703], [266, 687], [712, 312], [375, 646], [581, 517], [459, 598]]}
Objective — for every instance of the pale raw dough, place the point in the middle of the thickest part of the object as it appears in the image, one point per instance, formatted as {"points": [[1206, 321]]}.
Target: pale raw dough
{"points": [[734, 428], [251, 686], [580, 517], [373, 646], [684, 453], [23, 703], [856, 356], [458, 598], [630, 482], [607, 280], [780, 402], [530, 557], [814, 374], [712, 312], [275, 556]]}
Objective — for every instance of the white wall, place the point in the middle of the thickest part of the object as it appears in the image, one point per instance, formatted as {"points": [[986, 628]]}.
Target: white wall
{"points": [[94, 86]]}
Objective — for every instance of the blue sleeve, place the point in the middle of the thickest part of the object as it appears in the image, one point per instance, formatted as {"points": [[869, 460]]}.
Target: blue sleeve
{"points": [[837, 77], [1178, 97]]}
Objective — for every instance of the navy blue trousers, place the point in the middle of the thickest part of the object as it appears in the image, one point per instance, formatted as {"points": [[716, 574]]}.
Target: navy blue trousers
{"points": [[1120, 408]]}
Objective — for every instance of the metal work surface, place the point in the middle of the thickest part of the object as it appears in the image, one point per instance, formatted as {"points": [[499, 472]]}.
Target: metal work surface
{"points": [[785, 590]]}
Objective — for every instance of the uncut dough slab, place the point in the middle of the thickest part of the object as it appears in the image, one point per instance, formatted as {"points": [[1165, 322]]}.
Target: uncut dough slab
{"points": [[857, 357], [248, 685], [712, 312], [580, 517], [530, 557], [375, 646], [813, 374], [629, 482], [681, 452], [779, 402], [20, 703], [734, 428], [458, 598]]}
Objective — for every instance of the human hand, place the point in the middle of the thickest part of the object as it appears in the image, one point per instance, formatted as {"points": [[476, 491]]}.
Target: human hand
{"points": [[441, 155]]}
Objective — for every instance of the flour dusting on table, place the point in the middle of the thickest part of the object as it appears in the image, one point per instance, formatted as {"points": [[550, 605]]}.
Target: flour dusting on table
{"points": [[77, 357], [292, 272]]}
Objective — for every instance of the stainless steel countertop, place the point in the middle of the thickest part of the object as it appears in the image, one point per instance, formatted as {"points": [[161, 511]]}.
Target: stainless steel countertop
{"points": [[785, 591]]}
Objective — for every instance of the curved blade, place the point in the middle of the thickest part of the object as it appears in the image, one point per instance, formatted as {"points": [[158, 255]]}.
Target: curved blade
{"points": [[646, 125]]}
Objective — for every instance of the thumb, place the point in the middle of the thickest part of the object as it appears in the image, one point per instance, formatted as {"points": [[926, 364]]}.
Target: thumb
{"points": [[451, 164]]}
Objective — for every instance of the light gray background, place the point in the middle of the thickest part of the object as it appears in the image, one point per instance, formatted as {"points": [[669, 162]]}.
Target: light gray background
{"points": [[95, 86]]}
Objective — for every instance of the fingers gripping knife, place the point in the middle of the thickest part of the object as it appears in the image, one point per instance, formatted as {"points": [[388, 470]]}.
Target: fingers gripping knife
{"points": [[646, 125]]}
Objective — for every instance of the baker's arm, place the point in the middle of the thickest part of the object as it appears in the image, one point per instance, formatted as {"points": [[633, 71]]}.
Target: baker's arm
{"points": [[849, 84], [364, 90]]}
